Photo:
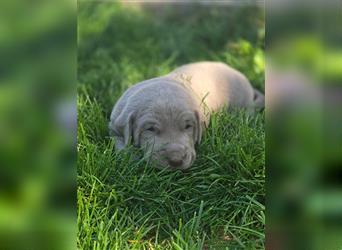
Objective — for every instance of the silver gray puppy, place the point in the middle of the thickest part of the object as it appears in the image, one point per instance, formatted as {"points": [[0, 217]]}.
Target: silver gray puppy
{"points": [[166, 115]]}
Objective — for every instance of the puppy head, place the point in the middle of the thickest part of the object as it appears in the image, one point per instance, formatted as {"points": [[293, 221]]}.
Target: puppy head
{"points": [[163, 119], [167, 134]]}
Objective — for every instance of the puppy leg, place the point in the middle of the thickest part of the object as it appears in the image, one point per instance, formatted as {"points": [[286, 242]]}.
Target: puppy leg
{"points": [[259, 99]]}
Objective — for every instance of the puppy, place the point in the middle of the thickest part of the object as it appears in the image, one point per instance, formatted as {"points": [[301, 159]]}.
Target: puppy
{"points": [[165, 116]]}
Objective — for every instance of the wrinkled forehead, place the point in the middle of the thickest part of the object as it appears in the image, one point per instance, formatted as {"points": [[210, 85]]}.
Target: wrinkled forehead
{"points": [[167, 115]]}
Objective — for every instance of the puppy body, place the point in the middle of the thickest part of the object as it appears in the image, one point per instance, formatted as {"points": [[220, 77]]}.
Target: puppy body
{"points": [[166, 115], [216, 84]]}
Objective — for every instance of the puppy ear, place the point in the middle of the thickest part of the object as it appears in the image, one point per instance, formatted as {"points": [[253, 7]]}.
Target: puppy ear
{"points": [[122, 129], [198, 128]]}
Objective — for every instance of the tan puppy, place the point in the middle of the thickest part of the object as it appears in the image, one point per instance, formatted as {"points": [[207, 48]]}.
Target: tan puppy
{"points": [[166, 115]]}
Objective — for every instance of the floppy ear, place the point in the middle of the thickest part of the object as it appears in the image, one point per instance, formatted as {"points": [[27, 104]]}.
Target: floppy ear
{"points": [[198, 128], [122, 128]]}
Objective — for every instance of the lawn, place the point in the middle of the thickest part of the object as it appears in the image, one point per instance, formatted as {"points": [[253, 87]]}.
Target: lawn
{"points": [[123, 203]]}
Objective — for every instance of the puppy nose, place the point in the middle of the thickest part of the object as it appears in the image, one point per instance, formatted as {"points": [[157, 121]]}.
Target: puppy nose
{"points": [[175, 163], [175, 155]]}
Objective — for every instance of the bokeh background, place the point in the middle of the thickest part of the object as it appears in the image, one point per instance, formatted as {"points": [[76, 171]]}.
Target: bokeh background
{"points": [[37, 125], [304, 132]]}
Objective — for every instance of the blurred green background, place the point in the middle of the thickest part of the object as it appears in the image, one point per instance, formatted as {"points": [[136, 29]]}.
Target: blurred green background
{"points": [[37, 125], [304, 132]]}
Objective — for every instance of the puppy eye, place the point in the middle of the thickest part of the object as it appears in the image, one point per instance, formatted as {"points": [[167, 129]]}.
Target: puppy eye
{"points": [[188, 126], [151, 129]]}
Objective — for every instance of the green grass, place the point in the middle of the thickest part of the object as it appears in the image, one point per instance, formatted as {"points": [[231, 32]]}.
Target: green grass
{"points": [[123, 203]]}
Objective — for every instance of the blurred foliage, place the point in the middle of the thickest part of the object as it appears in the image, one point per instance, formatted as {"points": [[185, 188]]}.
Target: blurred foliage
{"points": [[304, 132], [37, 128]]}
